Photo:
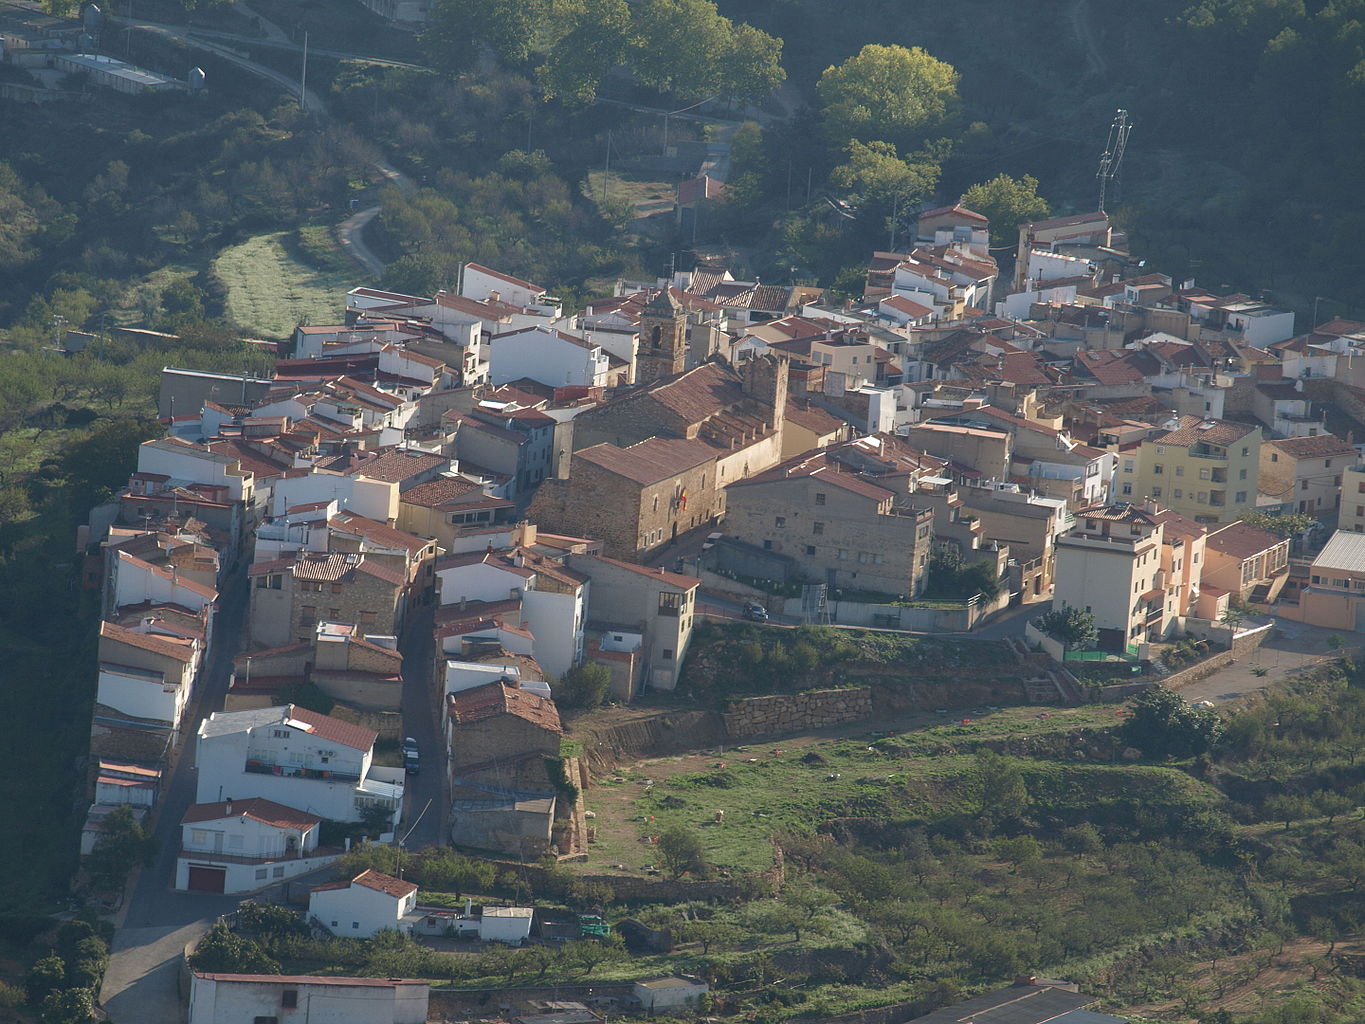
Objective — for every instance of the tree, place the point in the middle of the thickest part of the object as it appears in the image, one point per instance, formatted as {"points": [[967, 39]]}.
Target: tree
{"points": [[1283, 524], [1234, 615], [223, 950], [751, 66], [594, 41], [585, 685], [1164, 724], [875, 172], [1071, 627], [1008, 202], [1331, 804], [710, 933], [887, 92], [46, 975], [676, 46], [999, 787], [457, 30], [69, 1006], [101, 462], [950, 576], [682, 852], [123, 844]]}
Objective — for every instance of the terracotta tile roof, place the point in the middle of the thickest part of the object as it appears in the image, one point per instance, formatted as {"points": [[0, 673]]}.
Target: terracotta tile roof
{"points": [[318, 568], [1321, 446], [649, 461], [331, 729], [673, 579], [435, 493], [170, 647], [1117, 367], [394, 465], [395, 887], [505, 277], [1242, 540], [259, 465], [694, 189], [957, 210], [695, 394], [257, 808], [1176, 524], [818, 465], [812, 417], [492, 699], [1192, 430], [207, 593], [379, 533]]}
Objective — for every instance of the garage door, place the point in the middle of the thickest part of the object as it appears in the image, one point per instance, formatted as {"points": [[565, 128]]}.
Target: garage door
{"points": [[207, 879]]}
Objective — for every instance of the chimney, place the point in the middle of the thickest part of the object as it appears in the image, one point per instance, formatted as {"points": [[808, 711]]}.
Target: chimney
{"points": [[468, 906], [1026, 979], [227, 808]]}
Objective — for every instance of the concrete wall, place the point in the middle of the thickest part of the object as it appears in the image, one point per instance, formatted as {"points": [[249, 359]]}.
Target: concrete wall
{"points": [[795, 712]]}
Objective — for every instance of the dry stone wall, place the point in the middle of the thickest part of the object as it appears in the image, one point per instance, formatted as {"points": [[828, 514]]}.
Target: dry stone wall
{"points": [[796, 712]]}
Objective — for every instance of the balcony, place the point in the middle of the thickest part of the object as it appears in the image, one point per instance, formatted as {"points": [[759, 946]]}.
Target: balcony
{"points": [[1220, 476], [259, 767]]}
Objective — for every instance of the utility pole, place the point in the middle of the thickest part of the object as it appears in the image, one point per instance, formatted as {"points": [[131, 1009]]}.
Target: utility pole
{"points": [[1112, 158], [303, 78]]}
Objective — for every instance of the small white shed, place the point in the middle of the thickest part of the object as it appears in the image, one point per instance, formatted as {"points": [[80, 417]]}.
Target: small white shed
{"points": [[511, 925], [670, 993]]}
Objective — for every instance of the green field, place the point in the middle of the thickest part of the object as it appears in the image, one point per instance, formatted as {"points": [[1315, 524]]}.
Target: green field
{"points": [[271, 291], [771, 788]]}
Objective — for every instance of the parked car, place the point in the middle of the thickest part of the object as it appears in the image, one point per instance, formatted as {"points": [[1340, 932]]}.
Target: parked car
{"points": [[412, 762], [755, 612]]}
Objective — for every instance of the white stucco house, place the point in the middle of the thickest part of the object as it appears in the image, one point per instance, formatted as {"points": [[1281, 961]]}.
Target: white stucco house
{"points": [[296, 757], [546, 354], [242, 845], [234, 998], [511, 925], [368, 903], [675, 992]]}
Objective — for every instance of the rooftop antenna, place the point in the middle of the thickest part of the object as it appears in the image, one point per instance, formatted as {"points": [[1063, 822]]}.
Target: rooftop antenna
{"points": [[1112, 160]]}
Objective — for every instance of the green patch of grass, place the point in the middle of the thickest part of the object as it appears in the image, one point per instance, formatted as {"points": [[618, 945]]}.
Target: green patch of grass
{"points": [[764, 790], [270, 291], [318, 246]]}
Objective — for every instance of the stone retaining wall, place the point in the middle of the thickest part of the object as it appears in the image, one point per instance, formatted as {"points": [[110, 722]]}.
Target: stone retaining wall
{"points": [[796, 712]]}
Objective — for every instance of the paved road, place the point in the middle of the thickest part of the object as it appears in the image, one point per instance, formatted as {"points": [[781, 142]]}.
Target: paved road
{"points": [[156, 923], [351, 236], [425, 801], [1296, 648]]}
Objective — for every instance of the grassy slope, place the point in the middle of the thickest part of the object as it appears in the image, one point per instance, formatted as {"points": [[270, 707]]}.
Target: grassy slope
{"points": [[270, 291]]}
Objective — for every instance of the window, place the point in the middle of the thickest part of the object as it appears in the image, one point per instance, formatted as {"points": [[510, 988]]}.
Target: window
{"points": [[1179, 470], [279, 872], [355, 925], [1203, 497], [1245, 451], [261, 874], [1203, 474], [310, 615], [669, 603], [311, 587], [767, 545], [1127, 465], [656, 503], [810, 549], [336, 588], [668, 654], [781, 521], [843, 552], [1274, 457], [1303, 485], [1177, 493], [1156, 492], [819, 497], [265, 1020], [1161, 449], [334, 613], [280, 734], [1240, 497], [289, 998], [1158, 468], [1241, 474], [819, 528], [1127, 488]]}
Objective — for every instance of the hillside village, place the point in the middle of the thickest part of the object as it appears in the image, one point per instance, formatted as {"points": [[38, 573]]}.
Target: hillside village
{"points": [[440, 509]]}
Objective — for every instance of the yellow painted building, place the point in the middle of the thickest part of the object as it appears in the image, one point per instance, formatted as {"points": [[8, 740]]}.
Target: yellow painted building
{"points": [[1205, 470]]}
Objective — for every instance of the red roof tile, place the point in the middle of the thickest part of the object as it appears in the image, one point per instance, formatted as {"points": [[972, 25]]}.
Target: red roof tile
{"points": [[492, 699], [257, 808]]}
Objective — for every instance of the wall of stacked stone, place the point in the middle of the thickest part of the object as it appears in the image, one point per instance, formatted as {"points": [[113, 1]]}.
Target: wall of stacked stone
{"points": [[796, 712]]}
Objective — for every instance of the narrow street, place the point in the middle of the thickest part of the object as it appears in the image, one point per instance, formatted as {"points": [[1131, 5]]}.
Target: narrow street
{"points": [[156, 923], [425, 804]]}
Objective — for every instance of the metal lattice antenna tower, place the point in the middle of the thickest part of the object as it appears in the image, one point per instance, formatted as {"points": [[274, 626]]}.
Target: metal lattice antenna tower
{"points": [[1112, 160]]}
